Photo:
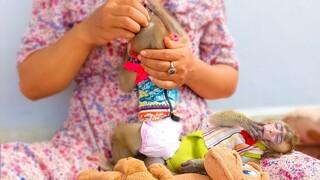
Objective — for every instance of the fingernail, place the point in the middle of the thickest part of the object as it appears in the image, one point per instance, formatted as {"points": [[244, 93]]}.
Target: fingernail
{"points": [[175, 37], [143, 53]]}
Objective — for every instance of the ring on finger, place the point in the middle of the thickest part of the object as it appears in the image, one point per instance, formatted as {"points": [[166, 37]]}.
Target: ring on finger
{"points": [[171, 70]]}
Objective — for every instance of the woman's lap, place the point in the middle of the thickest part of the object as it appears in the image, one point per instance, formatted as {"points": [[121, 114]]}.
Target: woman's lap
{"points": [[44, 160]]}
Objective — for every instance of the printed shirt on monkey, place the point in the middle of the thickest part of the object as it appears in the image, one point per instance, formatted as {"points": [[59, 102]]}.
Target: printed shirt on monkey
{"points": [[154, 103]]}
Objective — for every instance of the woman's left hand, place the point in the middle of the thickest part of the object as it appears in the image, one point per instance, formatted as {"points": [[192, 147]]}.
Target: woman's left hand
{"points": [[157, 62]]}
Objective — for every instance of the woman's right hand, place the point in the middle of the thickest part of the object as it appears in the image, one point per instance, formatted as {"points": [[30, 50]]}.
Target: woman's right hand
{"points": [[114, 19]]}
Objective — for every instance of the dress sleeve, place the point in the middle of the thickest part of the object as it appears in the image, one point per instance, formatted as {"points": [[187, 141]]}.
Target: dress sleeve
{"points": [[217, 44], [49, 22]]}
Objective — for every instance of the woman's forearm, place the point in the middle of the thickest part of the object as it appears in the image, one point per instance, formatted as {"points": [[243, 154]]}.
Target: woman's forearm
{"points": [[49, 70], [212, 81]]}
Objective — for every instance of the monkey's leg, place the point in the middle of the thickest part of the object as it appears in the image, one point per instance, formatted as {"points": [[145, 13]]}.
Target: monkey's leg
{"points": [[152, 160], [127, 80], [193, 166], [126, 141]]}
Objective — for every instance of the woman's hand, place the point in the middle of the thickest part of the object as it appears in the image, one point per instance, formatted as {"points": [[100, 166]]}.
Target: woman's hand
{"points": [[114, 19], [157, 63]]}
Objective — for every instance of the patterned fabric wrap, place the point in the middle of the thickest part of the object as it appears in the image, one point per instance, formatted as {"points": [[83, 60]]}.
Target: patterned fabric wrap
{"points": [[153, 101], [233, 138]]}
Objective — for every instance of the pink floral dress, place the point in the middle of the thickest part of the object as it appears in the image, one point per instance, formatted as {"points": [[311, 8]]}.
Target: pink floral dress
{"points": [[97, 105]]}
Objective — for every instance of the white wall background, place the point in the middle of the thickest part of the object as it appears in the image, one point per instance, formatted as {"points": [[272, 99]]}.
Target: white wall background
{"points": [[277, 42], [278, 45]]}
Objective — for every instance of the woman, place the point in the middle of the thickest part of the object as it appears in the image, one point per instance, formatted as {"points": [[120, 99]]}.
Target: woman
{"points": [[84, 41]]}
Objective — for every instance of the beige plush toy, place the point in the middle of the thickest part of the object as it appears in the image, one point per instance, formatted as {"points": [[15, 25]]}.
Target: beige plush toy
{"points": [[306, 122], [224, 163], [220, 163], [129, 169]]}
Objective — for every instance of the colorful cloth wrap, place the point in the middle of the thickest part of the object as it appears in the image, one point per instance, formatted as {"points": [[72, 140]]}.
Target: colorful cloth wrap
{"points": [[154, 102], [196, 145]]}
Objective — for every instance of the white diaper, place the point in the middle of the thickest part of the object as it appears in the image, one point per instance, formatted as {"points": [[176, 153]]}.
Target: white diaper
{"points": [[160, 138]]}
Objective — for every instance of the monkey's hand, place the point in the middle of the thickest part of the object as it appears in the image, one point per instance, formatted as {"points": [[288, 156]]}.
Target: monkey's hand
{"points": [[254, 129], [235, 119], [193, 166]]}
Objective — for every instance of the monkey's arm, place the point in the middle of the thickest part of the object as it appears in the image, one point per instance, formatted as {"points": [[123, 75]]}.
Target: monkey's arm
{"points": [[235, 119], [126, 141], [127, 80], [193, 166]]}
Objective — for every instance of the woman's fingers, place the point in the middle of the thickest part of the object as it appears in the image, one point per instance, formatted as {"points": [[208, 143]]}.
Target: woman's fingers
{"points": [[124, 22], [133, 13], [157, 64], [165, 54], [138, 5], [164, 84], [172, 42], [122, 33]]}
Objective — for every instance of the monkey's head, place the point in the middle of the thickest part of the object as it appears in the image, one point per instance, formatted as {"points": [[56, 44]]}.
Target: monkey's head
{"points": [[278, 137], [161, 25], [150, 37]]}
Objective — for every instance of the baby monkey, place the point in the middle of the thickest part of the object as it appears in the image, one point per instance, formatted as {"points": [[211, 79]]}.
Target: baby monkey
{"points": [[157, 133], [251, 139]]}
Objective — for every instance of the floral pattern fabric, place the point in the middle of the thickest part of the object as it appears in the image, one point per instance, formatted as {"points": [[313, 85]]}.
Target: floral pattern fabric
{"points": [[97, 105], [294, 166]]}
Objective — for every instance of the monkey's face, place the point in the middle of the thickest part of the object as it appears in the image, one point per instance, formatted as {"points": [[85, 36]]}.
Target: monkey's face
{"points": [[273, 133], [273, 136]]}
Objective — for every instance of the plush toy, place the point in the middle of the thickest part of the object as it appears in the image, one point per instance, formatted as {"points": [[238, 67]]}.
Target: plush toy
{"points": [[220, 163], [306, 122], [224, 163], [129, 169]]}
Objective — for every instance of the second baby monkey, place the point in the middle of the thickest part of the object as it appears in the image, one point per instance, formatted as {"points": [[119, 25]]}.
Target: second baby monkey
{"points": [[251, 139]]}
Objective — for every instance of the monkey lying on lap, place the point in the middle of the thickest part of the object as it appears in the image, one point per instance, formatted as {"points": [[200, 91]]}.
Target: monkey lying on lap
{"points": [[249, 138]]}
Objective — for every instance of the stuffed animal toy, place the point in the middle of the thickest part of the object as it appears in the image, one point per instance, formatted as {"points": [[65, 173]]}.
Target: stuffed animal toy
{"points": [[306, 122], [129, 169], [224, 163], [220, 163]]}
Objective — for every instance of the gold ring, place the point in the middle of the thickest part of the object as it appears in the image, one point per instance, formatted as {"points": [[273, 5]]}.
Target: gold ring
{"points": [[171, 70]]}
